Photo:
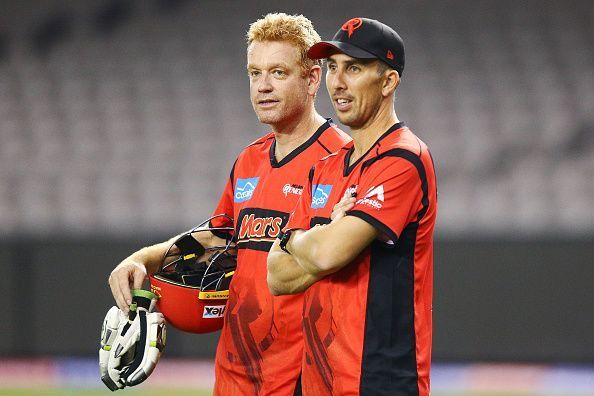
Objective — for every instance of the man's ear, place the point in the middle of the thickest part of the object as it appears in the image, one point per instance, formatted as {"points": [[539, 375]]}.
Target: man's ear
{"points": [[314, 79], [391, 82]]}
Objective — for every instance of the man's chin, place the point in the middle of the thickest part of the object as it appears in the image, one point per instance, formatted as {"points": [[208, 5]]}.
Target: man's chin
{"points": [[267, 118], [345, 120]]}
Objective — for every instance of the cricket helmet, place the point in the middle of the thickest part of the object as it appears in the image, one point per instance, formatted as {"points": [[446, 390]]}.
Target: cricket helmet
{"points": [[193, 280]]}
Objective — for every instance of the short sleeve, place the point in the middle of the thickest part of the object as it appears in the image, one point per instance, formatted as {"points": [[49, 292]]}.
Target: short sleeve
{"points": [[225, 206], [389, 195]]}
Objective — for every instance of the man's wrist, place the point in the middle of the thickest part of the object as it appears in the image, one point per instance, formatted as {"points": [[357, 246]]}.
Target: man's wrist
{"points": [[284, 238]]}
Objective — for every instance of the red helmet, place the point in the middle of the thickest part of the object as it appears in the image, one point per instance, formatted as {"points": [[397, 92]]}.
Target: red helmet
{"points": [[193, 281]]}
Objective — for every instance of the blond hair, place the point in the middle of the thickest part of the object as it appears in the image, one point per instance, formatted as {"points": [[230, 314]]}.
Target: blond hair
{"points": [[296, 29]]}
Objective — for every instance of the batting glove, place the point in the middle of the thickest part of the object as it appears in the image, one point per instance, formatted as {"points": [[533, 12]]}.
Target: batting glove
{"points": [[131, 345]]}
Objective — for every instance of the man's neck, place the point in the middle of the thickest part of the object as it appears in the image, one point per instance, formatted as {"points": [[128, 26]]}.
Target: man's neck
{"points": [[366, 136], [289, 137]]}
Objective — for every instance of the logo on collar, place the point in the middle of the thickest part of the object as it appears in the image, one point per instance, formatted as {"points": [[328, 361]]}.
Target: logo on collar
{"points": [[321, 193], [244, 189]]}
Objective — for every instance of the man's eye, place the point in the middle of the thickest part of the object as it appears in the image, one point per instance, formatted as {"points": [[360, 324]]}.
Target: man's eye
{"points": [[253, 73], [278, 73], [354, 68]]}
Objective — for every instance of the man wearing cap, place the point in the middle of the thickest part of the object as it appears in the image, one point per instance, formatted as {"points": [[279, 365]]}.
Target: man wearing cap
{"points": [[360, 241]]}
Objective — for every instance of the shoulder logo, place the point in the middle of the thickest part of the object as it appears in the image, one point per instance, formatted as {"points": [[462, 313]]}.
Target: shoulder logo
{"points": [[378, 193], [351, 25], [321, 193], [244, 189]]}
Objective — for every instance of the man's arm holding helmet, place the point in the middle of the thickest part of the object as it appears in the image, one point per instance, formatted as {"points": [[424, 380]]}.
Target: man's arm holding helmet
{"points": [[133, 270]]}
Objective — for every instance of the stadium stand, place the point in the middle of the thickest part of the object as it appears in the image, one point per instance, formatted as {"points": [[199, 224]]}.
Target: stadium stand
{"points": [[134, 128]]}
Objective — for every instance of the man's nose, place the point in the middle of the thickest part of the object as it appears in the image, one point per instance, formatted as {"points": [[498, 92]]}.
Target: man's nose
{"points": [[264, 84], [336, 81]]}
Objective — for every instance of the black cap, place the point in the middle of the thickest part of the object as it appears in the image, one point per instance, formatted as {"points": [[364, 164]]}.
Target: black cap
{"points": [[364, 38]]}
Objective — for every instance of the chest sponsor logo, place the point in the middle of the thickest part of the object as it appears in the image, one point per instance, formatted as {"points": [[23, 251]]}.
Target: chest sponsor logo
{"points": [[213, 311], [321, 193], [244, 189], [253, 227], [292, 189], [373, 197], [257, 228]]}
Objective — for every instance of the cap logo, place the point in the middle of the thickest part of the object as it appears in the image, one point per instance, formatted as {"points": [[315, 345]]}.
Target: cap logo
{"points": [[351, 25], [390, 55]]}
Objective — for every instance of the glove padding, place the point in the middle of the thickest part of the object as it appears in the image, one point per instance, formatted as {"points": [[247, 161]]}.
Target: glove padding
{"points": [[131, 345]]}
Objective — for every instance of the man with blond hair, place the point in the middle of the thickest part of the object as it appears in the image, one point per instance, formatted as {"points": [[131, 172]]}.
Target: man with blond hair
{"points": [[261, 347]]}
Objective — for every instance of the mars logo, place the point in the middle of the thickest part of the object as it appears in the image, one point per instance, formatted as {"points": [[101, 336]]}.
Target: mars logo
{"points": [[351, 25], [213, 311], [374, 203], [244, 189], [259, 227], [321, 192]]}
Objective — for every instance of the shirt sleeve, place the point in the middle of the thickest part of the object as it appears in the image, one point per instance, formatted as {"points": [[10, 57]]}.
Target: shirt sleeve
{"points": [[225, 206], [300, 217], [389, 195]]}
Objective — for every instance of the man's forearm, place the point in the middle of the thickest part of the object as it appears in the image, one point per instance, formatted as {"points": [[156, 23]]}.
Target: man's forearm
{"points": [[295, 272], [285, 275], [316, 253], [151, 256]]}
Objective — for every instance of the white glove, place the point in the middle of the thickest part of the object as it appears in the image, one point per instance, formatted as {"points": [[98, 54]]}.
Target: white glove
{"points": [[131, 345]]}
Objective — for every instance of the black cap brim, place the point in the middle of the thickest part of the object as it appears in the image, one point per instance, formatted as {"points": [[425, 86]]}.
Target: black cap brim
{"points": [[324, 49]]}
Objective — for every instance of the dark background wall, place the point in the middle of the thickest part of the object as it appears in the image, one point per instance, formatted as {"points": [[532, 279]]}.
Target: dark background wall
{"points": [[527, 300]]}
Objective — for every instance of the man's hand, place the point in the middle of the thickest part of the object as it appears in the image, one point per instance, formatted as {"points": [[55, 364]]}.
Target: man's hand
{"points": [[129, 274], [346, 203]]}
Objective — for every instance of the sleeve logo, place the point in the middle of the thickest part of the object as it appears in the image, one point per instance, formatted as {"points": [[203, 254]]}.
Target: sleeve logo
{"points": [[378, 193], [321, 193], [244, 189]]}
